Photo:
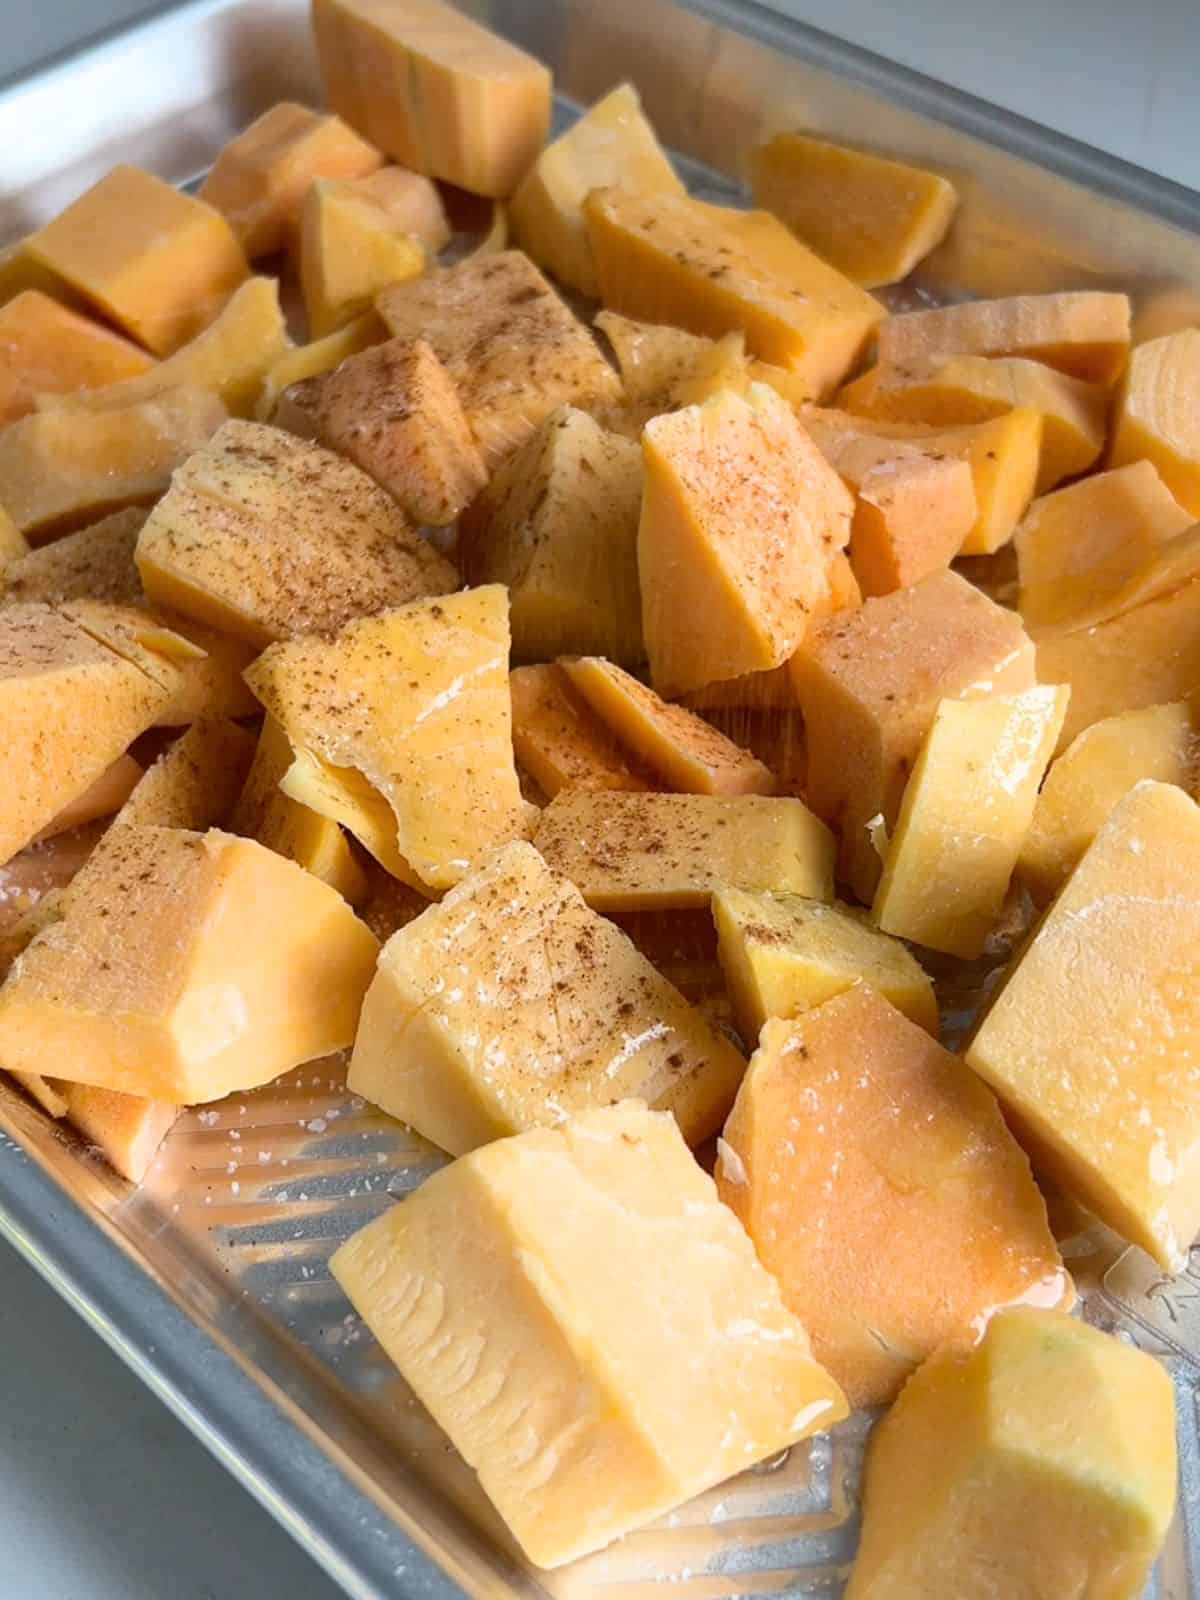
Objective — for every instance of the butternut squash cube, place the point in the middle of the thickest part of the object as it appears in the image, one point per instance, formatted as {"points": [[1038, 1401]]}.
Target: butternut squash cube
{"points": [[436, 90], [259, 180], [155, 260], [965, 813], [712, 270], [20, 270], [869, 683], [1096, 770], [1091, 1043], [511, 345], [413, 704], [557, 738], [658, 852], [783, 955], [664, 368], [853, 1127], [1085, 334], [60, 469], [127, 1129], [311, 360], [102, 797], [611, 143], [1041, 1460], [395, 413], [45, 348], [631, 1330], [194, 782], [870, 218], [267, 536], [410, 201], [350, 250], [1158, 415], [194, 965], [558, 523], [511, 1005], [741, 515], [681, 749], [912, 512]]}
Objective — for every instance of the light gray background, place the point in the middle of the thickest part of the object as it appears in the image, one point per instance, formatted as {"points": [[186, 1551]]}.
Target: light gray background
{"points": [[103, 1495]]}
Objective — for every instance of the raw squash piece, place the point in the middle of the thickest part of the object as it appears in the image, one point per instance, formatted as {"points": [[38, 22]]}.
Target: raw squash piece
{"points": [[870, 218], [558, 740], [20, 270], [1158, 416], [265, 813], [415, 704], [1085, 334], [231, 357], [127, 1129], [436, 90], [1148, 656], [611, 143], [669, 258], [558, 523], [193, 965], [410, 201], [195, 781], [155, 260], [43, 1092], [783, 955], [664, 368], [69, 706], [511, 345], [683, 750], [267, 536], [869, 683], [59, 469], [911, 516], [851, 1127], [259, 180], [45, 348], [1095, 771], [966, 810], [1078, 547], [631, 1331], [1041, 1462], [1091, 1043], [511, 1005], [395, 413], [643, 852], [311, 360], [741, 515], [103, 796], [349, 251]]}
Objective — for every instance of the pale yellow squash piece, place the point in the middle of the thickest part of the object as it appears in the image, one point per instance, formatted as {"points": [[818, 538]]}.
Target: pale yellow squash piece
{"points": [[511, 1005], [664, 368], [1093, 773], [349, 252], [415, 703], [1040, 1462], [1158, 413], [311, 360], [783, 954], [643, 852], [1092, 1042], [47, 348], [612, 143], [559, 740], [741, 516], [631, 1330], [127, 1129], [713, 270], [436, 90], [102, 797], [681, 749], [410, 201], [193, 965], [195, 781]]}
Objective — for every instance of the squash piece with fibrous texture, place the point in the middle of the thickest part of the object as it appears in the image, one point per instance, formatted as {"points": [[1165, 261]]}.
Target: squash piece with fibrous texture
{"points": [[853, 1124], [559, 740], [45, 348], [436, 90], [1158, 414], [611, 143], [408, 720], [394, 412], [713, 270], [195, 781], [741, 516], [265, 536], [514, 349], [664, 368], [870, 218], [157, 261], [558, 524], [869, 682], [259, 180], [410, 201], [311, 360], [349, 251], [493, 1012], [1085, 334], [193, 965]]}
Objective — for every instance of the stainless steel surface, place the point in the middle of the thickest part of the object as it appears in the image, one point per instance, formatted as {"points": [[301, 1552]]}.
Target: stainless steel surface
{"points": [[211, 1280]]}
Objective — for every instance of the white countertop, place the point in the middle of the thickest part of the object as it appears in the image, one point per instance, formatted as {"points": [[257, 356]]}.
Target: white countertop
{"points": [[103, 1495]]}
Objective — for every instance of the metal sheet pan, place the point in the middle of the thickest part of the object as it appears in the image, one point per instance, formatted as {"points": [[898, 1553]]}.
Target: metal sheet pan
{"points": [[211, 1279]]}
